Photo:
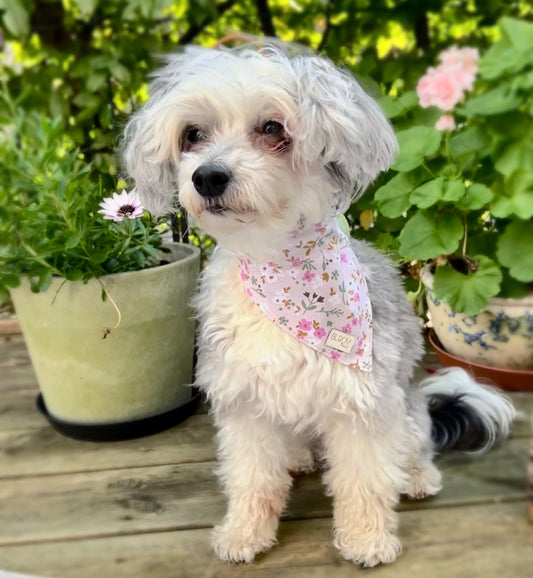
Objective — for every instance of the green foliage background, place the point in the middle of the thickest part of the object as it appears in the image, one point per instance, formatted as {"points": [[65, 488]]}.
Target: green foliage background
{"points": [[88, 61]]}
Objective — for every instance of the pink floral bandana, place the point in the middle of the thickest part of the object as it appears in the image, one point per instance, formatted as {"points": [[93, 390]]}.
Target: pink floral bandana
{"points": [[317, 292]]}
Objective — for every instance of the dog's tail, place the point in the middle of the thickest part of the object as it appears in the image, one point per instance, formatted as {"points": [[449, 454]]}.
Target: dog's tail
{"points": [[466, 415]]}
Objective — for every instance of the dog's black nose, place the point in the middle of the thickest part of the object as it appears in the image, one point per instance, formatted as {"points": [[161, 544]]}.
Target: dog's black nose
{"points": [[211, 180]]}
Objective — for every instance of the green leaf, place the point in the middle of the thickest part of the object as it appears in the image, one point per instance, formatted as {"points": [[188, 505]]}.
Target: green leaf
{"points": [[393, 197], [42, 283], [514, 155], [476, 197], [86, 7], [496, 101], [514, 250], [10, 280], [427, 194], [415, 144], [517, 197], [15, 17], [453, 190], [512, 52], [396, 106], [119, 71], [435, 190], [468, 293], [73, 240], [427, 235], [473, 140], [95, 80]]}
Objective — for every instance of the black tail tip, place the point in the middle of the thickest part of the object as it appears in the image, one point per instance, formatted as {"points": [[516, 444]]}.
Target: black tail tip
{"points": [[457, 426]]}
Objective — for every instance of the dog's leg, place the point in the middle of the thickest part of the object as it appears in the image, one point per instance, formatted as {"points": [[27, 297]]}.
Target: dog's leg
{"points": [[254, 469], [424, 477], [366, 471]]}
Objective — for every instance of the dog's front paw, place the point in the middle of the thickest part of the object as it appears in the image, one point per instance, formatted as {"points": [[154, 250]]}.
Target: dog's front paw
{"points": [[368, 550], [239, 544]]}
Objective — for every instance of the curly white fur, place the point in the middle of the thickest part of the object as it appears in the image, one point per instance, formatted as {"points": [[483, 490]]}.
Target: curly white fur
{"points": [[276, 402]]}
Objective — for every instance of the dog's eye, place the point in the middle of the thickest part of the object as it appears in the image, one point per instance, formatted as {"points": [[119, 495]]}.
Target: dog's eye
{"points": [[194, 135], [272, 127]]}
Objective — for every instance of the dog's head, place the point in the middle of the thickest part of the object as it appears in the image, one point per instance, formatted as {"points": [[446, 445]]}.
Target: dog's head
{"points": [[254, 143]]}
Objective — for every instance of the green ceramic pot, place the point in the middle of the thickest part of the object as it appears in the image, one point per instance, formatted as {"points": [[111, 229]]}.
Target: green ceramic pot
{"points": [[141, 369]]}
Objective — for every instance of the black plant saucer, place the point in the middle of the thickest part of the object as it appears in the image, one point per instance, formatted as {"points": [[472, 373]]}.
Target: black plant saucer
{"points": [[116, 431]]}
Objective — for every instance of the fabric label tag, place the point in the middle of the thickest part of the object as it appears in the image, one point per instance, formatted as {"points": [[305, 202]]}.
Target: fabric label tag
{"points": [[340, 341]]}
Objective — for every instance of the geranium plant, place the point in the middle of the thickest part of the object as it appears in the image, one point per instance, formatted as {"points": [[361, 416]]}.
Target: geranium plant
{"points": [[55, 219], [459, 195]]}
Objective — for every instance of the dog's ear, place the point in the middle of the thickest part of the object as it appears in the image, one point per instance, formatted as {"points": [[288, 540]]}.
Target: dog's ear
{"points": [[150, 146], [340, 125]]}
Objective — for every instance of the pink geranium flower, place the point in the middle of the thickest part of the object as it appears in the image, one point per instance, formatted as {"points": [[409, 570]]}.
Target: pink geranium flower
{"points": [[439, 87], [308, 276], [465, 57], [445, 122], [335, 355], [445, 85]]}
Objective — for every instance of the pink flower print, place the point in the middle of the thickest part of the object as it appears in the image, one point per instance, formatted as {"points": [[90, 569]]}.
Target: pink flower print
{"points": [[319, 333], [445, 122], [347, 328], [305, 325], [308, 276], [244, 276], [335, 355], [249, 291], [319, 228], [344, 258], [296, 262], [355, 321], [357, 298]]}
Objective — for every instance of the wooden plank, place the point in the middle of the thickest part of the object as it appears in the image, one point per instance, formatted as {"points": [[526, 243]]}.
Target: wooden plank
{"points": [[42, 450], [477, 541], [174, 497], [17, 376], [13, 348], [25, 437], [17, 406]]}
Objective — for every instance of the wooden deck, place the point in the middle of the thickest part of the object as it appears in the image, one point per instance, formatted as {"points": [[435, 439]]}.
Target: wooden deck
{"points": [[144, 508]]}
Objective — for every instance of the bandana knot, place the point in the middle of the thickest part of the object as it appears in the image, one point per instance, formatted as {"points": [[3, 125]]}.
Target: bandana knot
{"points": [[316, 291]]}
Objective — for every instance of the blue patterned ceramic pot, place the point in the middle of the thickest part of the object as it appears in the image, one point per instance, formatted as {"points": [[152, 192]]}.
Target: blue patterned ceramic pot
{"points": [[499, 336]]}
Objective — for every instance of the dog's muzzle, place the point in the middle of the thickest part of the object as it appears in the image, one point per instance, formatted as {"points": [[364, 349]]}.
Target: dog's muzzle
{"points": [[211, 180]]}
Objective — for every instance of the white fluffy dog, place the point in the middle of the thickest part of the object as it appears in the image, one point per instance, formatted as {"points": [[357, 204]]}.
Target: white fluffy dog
{"points": [[258, 145]]}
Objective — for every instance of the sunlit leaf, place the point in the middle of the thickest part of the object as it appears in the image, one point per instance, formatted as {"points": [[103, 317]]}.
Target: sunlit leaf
{"points": [[468, 293]]}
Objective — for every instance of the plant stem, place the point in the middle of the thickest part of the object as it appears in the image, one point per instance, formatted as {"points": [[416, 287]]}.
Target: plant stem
{"points": [[38, 259], [465, 238], [107, 330]]}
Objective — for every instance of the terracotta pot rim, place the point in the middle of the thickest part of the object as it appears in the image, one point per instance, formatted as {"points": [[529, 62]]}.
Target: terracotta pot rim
{"points": [[512, 379]]}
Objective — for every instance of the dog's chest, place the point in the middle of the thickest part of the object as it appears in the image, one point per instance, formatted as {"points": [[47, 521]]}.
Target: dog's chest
{"points": [[232, 324], [246, 358]]}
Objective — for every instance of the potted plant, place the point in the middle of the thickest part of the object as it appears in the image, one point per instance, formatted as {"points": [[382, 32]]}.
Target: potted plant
{"points": [[102, 299], [456, 205]]}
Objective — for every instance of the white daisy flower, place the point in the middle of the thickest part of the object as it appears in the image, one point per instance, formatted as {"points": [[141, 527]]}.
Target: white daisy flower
{"points": [[117, 207]]}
